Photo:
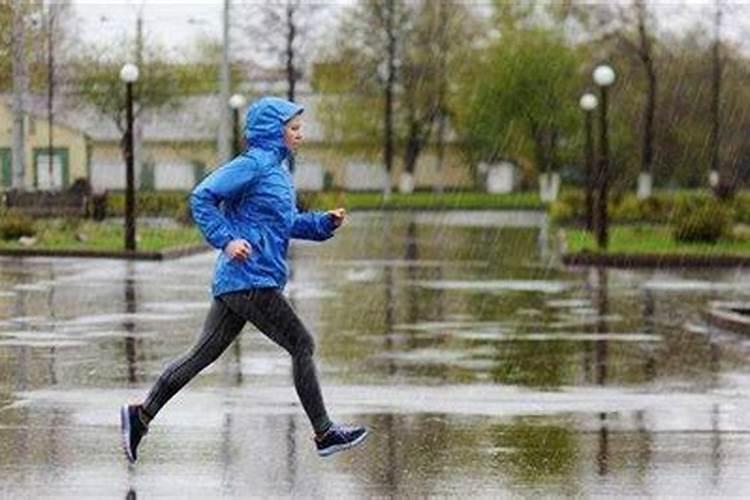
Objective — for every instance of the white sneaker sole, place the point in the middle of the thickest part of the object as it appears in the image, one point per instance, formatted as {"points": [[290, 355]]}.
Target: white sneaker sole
{"points": [[341, 447], [125, 432]]}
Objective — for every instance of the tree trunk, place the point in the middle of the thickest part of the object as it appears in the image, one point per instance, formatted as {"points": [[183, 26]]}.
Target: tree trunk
{"points": [[389, 87], [19, 94], [414, 146], [223, 146], [540, 149], [724, 189], [291, 74], [50, 91], [650, 104], [291, 77], [442, 43]]}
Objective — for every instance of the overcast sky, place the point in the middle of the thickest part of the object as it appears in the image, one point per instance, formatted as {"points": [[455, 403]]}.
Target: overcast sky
{"points": [[177, 23], [174, 23]]}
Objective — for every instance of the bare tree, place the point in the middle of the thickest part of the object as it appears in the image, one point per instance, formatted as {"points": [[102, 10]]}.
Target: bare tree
{"points": [[645, 52], [97, 81], [281, 35], [364, 72], [729, 116], [427, 60], [721, 181], [716, 89], [290, 10], [441, 41], [33, 36], [20, 88], [281, 32], [55, 40], [387, 17], [397, 56], [642, 45], [632, 28], [223, 132]]}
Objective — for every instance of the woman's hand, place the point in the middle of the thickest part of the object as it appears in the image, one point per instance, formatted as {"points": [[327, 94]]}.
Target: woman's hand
{"points": [[338, 215], [238, 250]]}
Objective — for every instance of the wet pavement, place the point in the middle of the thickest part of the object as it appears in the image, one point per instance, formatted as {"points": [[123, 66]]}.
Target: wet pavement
{"points": [[481, 367]]}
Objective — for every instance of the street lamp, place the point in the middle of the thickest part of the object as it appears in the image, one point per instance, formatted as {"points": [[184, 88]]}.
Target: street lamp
{"points": [[129, 74], [236, 102], [588, 104], [604, 76]]}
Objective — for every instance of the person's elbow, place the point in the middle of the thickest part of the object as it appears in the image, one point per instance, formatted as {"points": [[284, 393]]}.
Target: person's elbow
{"points": [[200, 199], [195, 203]]}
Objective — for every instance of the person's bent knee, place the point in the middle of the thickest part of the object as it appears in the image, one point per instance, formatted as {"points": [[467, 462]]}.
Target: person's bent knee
{"points": [[305, 346]]}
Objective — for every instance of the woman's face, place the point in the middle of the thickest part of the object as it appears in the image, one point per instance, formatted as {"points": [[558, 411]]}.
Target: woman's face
{"points": [[293, 133]]}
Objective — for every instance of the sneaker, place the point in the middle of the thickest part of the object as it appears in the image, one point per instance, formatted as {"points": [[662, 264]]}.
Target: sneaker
{"points": [[338, 438], [132, 430]]}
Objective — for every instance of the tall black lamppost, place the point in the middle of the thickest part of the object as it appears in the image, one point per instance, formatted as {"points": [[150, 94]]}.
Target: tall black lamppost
{"points": [[129, 74], [604, 76], [588, 104], [236, 102]]}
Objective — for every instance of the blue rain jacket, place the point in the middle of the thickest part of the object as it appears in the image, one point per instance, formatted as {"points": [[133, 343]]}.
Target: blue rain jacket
{"points": [[252, 197]]}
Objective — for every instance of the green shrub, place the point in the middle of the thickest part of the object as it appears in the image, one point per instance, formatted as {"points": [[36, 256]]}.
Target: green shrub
{"points": [[13, 225], [655, 209], [569, 207], [561, 212], [152, 203], [184, 215], [71, 224], [705, 220], [627, 209], [742, 207]]}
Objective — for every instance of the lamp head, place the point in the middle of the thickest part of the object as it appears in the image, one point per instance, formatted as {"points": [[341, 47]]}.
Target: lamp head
{"points": [[604, 75], [588, 102], [236, 101], [129, 73]]}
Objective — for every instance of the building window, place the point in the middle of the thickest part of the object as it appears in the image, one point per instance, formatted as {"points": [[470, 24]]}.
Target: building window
{"points": [[6, 179], [56, 178]]}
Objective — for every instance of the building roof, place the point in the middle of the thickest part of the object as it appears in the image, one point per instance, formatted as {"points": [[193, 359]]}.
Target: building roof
{"points": [[191, 119]]}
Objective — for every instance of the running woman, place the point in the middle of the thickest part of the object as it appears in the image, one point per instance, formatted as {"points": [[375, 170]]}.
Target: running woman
{"points": [[247, 209]]}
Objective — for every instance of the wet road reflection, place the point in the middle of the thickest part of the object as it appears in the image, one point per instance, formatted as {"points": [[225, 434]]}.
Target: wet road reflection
{"points": [[131, 348], [481, 369]]}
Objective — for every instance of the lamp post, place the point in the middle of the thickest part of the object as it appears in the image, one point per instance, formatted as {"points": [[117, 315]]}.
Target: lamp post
{"points": [[236, 102], [129, 75], [604, 76], [588, 104]]}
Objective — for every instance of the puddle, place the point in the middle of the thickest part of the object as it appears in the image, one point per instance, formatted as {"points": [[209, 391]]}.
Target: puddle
{"points": [[496, 286], [123, 317], [176, 307], [541, 382], [695, 286], [41, 343], [575, 304]]}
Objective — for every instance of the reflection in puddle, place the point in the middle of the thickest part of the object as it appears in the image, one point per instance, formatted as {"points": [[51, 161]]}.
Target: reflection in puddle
{"points": [[496, 286], [573, 304], [41, 343], [676, 285], [123, 318]]}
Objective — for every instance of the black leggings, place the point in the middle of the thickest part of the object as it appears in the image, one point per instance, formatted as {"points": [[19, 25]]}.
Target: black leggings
{"points": [[269, 311]]}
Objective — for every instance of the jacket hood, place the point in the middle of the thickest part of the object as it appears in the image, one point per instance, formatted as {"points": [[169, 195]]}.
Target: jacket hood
{"points": [[265, 120]]}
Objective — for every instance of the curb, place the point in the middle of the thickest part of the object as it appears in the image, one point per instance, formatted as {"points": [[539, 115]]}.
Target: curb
{"points": [[729, 316], [654, 260], [172, 253]]}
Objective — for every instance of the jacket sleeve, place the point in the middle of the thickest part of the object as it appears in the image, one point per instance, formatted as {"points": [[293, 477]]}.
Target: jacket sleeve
{"points": [[317, 226], [224, 184]]}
